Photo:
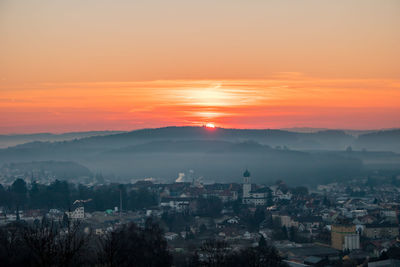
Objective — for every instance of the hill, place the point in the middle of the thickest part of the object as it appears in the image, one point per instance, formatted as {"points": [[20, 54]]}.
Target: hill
{"points": [[16, 139], [216, 154]]}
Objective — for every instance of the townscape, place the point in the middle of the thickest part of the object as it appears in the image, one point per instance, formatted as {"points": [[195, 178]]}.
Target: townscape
{"points": [[345, 223], [229, 133]]}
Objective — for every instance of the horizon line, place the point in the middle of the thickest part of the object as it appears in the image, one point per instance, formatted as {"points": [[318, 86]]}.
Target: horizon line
{"points": [[317, 129]]}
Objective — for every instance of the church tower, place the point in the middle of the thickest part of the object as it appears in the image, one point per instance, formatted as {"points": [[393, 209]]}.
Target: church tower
{"points": [[246, 184]]}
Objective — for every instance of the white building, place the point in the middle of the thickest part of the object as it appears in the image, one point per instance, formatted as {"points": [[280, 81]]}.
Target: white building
{"points": [[351, 242], [257, 197], [78, 213], [246, 184], [178, 204], [170, 236], [279, 195]]}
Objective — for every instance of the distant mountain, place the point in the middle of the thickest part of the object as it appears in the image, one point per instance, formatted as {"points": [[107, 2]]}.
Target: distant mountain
{"points": [[219, 154], [381, 140], [314, 130], [330, 139], [304, 129], [16, 139]]}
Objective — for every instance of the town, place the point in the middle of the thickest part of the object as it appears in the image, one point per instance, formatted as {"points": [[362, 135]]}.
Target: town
{"points": [[347, 223]]}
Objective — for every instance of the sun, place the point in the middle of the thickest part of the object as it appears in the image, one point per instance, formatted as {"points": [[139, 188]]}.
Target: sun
{"points": [[210, 125]]}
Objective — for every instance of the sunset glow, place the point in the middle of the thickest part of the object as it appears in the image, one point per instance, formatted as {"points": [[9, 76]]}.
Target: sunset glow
{"points": [[292, 101], [97, 65]]}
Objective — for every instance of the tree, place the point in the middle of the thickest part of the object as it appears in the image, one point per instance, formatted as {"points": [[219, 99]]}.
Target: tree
{"points": [[253, 220], [393, 253], [280, 233], [4, 196], [270, 200], [215, 252], [141, 199], [58, 195], [13, 251], [19, 187], [210, 206], [259, 216], [54, 245], [19, 192], [300, 191], [261, 256], [262, 242], [293, 234], [133, 246]]}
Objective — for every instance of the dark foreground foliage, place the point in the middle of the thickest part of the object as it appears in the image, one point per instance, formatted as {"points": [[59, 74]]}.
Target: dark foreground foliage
{"points": [[65, 243], [50, 243], [218, 253]]}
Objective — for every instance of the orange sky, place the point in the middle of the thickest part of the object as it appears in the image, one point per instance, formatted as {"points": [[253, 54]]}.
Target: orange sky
{"points": [[120, 65]]}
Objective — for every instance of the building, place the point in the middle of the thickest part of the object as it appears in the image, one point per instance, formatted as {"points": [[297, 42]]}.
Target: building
{"points": [[246, 185], [300, 253], [285, 220], [179, 204], [256, 197], [384, 230], [338, 234], [351, 242], [77, 214], [228, 195]]}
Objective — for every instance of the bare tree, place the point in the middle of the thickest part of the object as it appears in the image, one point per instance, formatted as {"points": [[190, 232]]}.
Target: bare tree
{"points": [[54, 245], [215, 252]]}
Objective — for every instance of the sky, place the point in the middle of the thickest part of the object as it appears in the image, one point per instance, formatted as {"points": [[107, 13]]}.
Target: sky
{"points": [[73, 65]]}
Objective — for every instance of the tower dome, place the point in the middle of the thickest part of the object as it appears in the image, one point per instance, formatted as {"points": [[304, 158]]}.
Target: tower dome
{"points": [[246, 173]]}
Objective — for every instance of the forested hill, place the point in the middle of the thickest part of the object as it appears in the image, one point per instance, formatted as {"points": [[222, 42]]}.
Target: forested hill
{"points": [[17, 139], [381, 140], [215, 154]]}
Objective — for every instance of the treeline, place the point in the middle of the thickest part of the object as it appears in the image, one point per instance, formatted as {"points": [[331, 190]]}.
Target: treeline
{"points": [[50, 243], [65, 169], [66, 243], [61, 195], [219, 253]]}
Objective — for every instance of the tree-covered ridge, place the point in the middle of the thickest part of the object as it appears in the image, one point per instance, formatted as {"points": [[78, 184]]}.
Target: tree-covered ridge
{"points": [[61, 195], [57, 169]]}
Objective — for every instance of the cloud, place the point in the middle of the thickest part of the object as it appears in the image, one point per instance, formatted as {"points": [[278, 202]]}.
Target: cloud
{"points": [[282, 100]]}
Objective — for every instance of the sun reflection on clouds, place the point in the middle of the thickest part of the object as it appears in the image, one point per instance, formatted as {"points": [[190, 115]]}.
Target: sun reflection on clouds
{"points": [[214, 96], [292, 100]]}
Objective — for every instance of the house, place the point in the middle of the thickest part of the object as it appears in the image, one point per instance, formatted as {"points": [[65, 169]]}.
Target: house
{"points": [[377, 247], [383, 230], [367, 219], [78, 213], [228, 195], [280, 195], [309, 222], [285, 220], [99, 231], [358, 213], [170, 236], [233, 220], [388, 213], [179, 204]]}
